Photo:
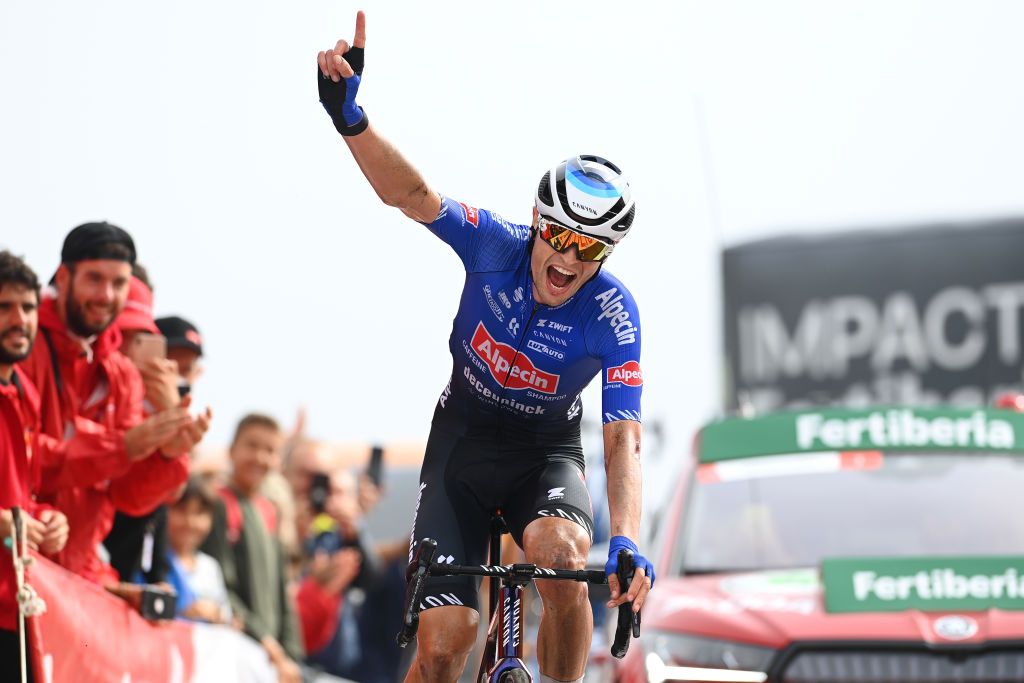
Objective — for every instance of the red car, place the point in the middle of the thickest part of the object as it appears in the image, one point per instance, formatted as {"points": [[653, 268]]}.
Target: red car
{"points": [[843, 545]]}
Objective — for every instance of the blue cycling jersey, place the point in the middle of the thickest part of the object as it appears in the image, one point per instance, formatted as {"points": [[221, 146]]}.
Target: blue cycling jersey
{"points": [[521, 364]]}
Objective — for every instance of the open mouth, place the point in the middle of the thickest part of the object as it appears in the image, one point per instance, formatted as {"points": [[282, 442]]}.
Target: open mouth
{"points": [[560, 277]]}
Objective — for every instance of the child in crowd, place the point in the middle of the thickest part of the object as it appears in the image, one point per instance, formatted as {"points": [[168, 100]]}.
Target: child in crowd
{"points": [[197, 577], [244, 540]]}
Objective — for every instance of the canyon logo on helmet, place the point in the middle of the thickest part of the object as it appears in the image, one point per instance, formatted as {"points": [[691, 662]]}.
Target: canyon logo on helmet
{"points": [[587, 194]]}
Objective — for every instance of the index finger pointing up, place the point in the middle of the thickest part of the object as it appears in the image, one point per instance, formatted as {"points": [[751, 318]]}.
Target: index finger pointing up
{"points": [[360, 39]]}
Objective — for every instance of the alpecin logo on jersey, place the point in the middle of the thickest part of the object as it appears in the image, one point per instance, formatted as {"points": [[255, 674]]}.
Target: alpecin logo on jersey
{"points": [[499, 357], [629, 373], [472, 214], [615, 311]]}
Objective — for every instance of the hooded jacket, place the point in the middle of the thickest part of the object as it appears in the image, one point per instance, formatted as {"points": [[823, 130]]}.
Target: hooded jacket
{"points": [[19, 419], [90, 395]]}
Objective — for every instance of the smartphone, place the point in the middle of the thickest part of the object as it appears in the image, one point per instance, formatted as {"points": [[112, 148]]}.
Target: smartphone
{"points": [[157, 604], [375, 468], [319, 490], [145, 346]]}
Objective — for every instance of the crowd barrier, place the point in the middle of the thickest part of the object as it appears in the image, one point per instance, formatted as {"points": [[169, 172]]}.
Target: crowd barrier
{"points": [[87, 634]]}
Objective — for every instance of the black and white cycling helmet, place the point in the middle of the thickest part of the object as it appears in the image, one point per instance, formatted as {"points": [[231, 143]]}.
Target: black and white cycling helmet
{"points": [[588, 194]]}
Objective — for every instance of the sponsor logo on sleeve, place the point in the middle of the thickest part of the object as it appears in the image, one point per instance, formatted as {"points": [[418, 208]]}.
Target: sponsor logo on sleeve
{"points": [[495, 308], [511, 369], [472, 214], [520, 232], [629, 373], [615, 312]]}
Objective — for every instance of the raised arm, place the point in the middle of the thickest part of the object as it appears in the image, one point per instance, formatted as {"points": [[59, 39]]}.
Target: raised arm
{"points": [[392, 177]]}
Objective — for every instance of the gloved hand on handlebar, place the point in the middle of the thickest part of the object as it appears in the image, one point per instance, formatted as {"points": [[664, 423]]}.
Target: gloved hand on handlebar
{"points": [[637, 591], [339, 72]]}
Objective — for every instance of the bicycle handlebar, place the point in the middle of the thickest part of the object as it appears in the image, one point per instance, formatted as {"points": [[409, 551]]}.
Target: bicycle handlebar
{"points": [[422, 566], [519, 573], [416, 576], [628, 621]]}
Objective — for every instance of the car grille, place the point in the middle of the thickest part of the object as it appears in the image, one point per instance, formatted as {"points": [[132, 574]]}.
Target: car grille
{"points": [[905, 667]]}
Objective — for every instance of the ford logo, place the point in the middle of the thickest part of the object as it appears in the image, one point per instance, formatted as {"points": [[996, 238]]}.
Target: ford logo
{"points": [[955, 627]]}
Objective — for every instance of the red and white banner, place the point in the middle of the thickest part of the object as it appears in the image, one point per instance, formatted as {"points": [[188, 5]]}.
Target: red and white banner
{"points": [[86, 634]]}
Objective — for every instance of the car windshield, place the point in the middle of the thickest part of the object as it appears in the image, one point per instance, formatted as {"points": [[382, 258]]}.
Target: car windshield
{"points": [[767, 513]]}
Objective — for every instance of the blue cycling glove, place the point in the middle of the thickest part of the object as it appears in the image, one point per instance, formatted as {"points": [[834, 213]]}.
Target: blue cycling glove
{"points": [[618, 543], [339, 99]]}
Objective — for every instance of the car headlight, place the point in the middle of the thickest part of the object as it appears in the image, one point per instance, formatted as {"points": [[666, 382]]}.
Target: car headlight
{"points": [[678, 657]]}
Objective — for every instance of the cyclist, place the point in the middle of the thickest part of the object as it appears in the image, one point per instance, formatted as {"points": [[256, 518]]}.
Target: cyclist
{"points": [[538, 319]]}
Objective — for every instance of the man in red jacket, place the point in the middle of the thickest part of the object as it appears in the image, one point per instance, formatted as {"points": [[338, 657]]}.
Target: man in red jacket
{"points": [[113, 458], [47, 529]]}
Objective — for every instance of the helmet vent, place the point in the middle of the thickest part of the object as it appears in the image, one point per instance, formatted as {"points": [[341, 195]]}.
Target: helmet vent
{"points": [[626, 221], [544, 190]]}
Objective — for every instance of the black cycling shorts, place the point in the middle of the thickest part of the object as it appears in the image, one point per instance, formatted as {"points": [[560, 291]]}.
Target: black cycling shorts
{"points": [[465, 479]]}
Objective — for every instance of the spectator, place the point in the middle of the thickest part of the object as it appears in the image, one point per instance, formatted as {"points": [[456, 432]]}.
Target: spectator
{"points": [[159, 373], [91, 396], [306, 461], [184, 347], [19, 410], [337, 619], [137, 315], [197, 578], [243, 540], [137, 545]]}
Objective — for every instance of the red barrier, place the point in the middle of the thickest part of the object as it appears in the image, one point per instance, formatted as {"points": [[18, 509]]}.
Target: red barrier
{"points": [[87, 634]]}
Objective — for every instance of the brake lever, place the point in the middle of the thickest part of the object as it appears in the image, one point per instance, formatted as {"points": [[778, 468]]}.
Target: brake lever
{"points": [[416, 577], [628, 623]]}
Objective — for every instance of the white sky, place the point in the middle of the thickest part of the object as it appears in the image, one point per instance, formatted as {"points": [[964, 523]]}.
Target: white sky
{"points": [[196, 126]]}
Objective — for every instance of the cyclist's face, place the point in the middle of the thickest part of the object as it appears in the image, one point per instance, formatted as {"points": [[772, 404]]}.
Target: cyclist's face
{"points": [[557, 276]]}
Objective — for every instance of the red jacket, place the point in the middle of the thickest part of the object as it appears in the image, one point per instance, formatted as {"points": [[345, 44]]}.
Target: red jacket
{"points": [[318, 614], [88, 401], [19, 420]]}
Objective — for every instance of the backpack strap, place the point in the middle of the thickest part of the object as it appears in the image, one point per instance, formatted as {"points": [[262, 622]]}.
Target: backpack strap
{"points": [[268, 511], [233, 512]]}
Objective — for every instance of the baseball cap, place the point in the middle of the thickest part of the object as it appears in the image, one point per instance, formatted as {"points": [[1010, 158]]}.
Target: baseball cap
{"points": [[180, 333], [137, 313], [97, 241]]}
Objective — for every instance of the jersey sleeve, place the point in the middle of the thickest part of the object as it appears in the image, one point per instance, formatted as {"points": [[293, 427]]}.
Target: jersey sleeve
{"points": [[483, 239], [616, 324]]}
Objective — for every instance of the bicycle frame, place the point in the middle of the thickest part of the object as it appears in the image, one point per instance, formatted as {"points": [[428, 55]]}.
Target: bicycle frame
{"points": [[502, 659]]}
